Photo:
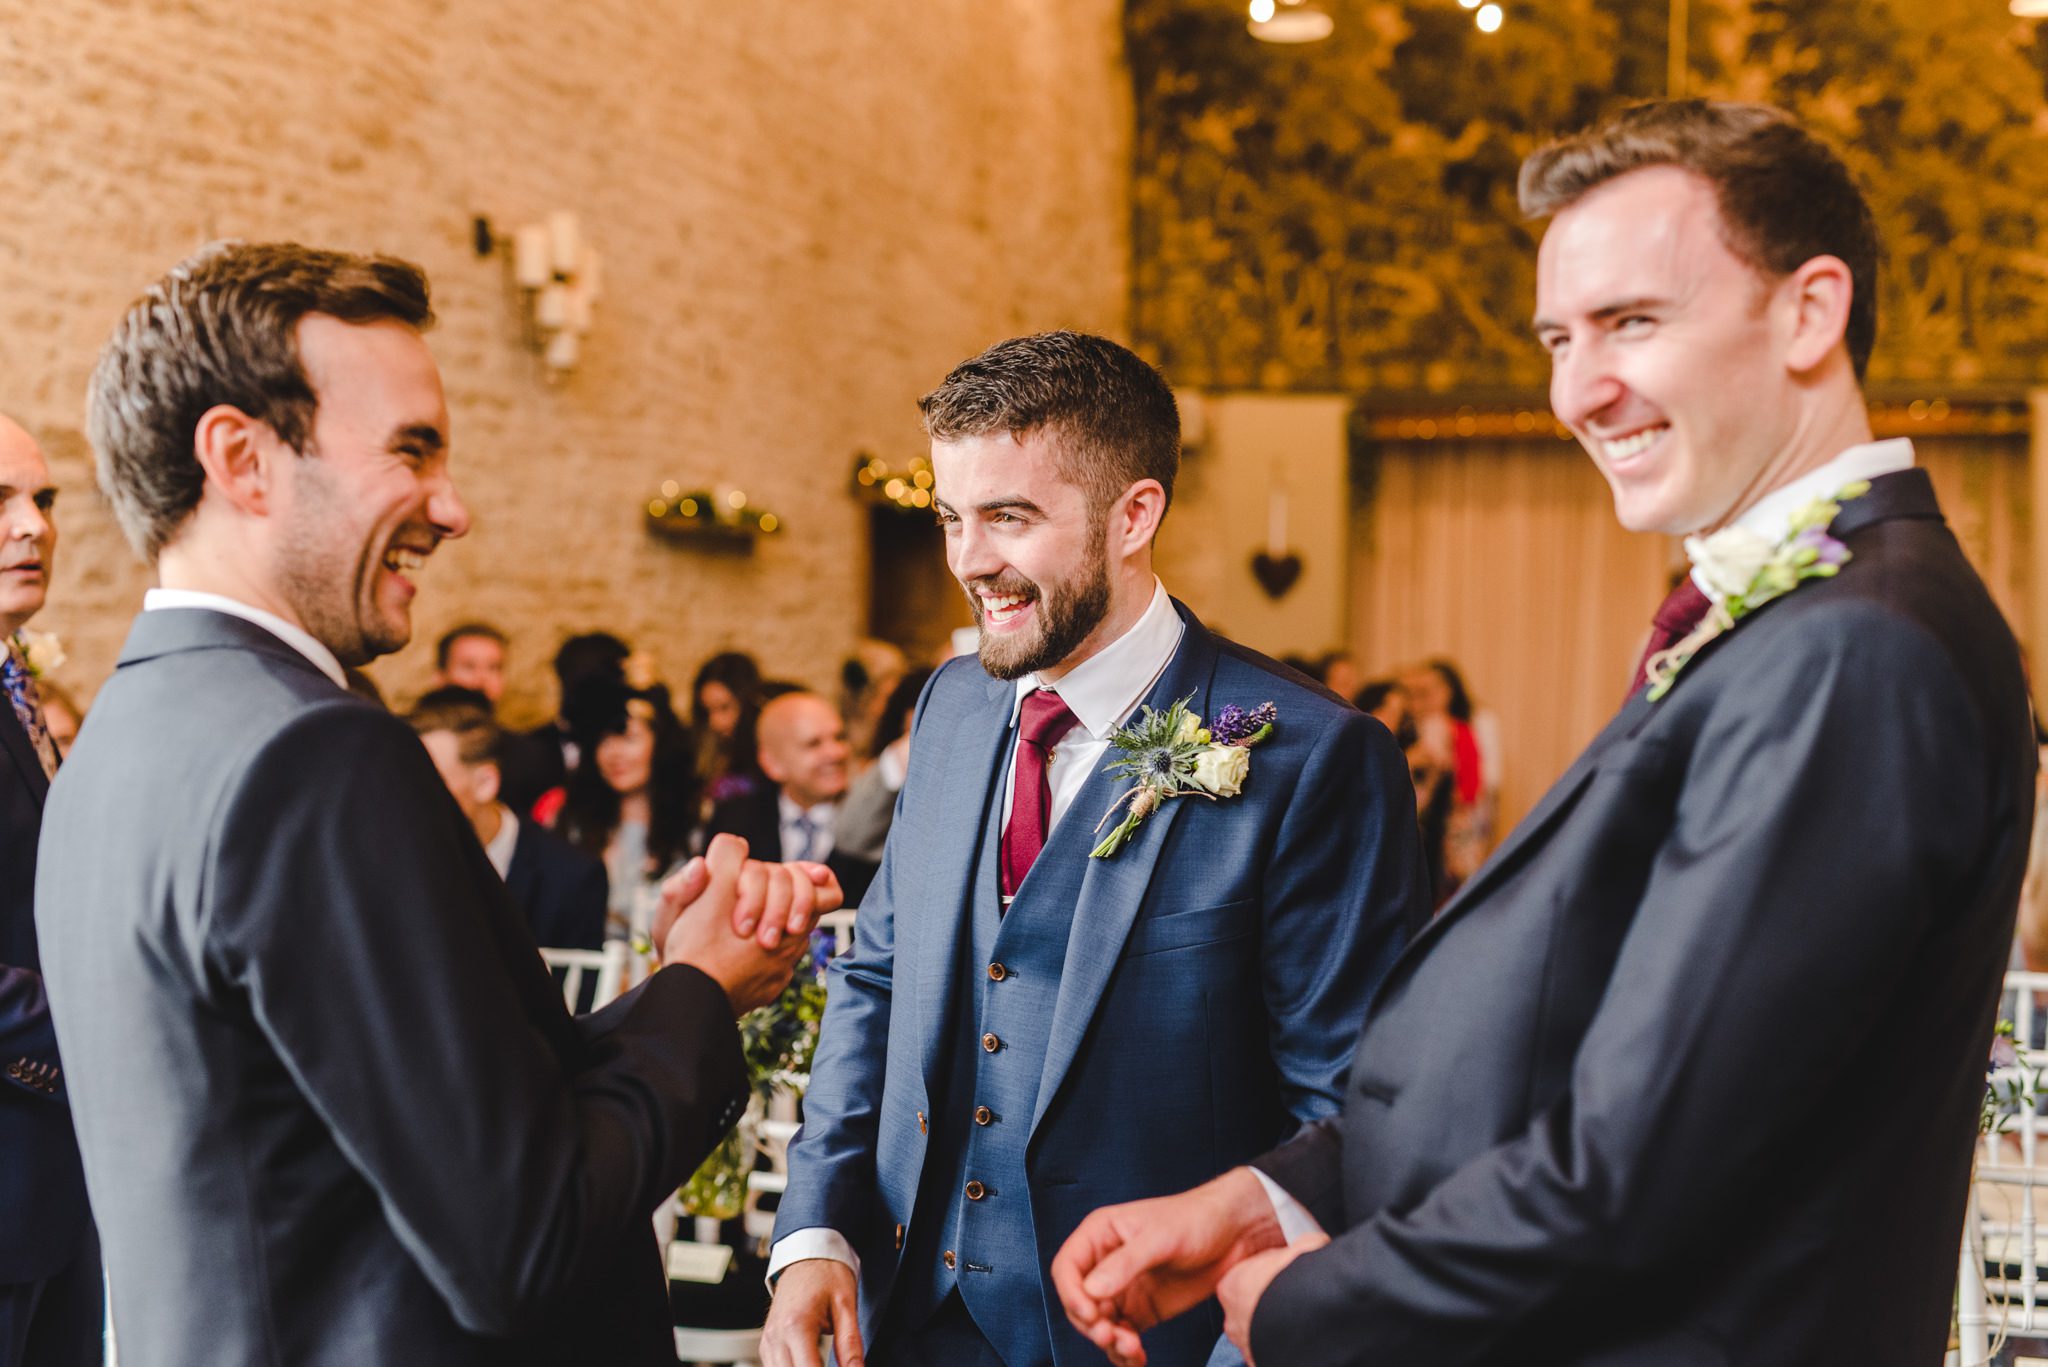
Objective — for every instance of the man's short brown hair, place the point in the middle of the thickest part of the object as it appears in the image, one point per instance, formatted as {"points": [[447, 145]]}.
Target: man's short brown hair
{"points": [[221, 328], [1112, 416], [463, 713], [1785, 197]]}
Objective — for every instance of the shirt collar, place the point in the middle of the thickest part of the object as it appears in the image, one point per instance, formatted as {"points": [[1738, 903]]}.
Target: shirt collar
{"points": [[298, 638], [504, 842], [1103, 689], [1771, 516], [791, 811]]}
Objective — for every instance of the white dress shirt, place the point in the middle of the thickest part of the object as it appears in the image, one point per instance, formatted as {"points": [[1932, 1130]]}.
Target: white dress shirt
{"points": [[1771, 516], [793, 815], [298, 638], [504, 842], [1102, 692]]}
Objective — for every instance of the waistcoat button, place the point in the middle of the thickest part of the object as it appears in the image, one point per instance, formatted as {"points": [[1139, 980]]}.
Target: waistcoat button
{"points": [[975, 1191], [948, 1259]]}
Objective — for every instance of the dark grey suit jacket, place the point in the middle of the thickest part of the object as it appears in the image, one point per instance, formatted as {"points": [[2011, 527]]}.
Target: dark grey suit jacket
{"points": [[1689, 1073], [328, 1098]]}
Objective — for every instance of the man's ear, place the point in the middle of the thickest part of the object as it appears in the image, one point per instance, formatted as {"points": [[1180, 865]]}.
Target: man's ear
{"points": [[774, 772], [239, 455], [1134, 518], [484, 782], [1818, 294]]}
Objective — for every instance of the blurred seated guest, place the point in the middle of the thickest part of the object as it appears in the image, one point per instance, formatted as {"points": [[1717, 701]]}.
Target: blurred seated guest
{"points": [[866, 679], [1385, 701], [1450, 740], [725, 701], [558, 889], [472, 656], [537, 761], [804, 755], [1341, 674], [632, 803], [62, 716], [870, 805]]}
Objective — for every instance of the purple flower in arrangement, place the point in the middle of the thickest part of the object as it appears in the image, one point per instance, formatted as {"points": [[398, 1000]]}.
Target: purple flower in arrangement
{"points": [[1233, 723], [1817, 540]]}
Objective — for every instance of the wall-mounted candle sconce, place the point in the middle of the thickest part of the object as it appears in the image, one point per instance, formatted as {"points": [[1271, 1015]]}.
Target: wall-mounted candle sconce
{"points": [[557, 277]]}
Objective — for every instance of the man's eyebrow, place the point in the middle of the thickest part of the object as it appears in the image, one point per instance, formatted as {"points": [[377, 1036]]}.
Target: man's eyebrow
{"points": [[1605, 312], [420, 433], [1015, 503]]}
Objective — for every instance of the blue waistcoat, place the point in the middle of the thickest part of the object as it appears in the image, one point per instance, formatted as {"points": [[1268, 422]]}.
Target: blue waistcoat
{"points": [[975, 1199]]}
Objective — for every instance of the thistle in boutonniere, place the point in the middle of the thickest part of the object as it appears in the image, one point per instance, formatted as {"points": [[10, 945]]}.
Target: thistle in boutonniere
{"points": [[1171, 754], [1744, 572]]}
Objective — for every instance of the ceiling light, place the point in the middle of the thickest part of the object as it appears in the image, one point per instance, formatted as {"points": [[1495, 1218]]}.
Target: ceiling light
{"points": [[1292, 22], [1469, 4], [1488, 18], [2030, 9], [1262, 11]]}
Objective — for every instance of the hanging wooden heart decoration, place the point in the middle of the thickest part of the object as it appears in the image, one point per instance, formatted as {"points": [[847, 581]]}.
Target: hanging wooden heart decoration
{"points": [[1276, 574]]}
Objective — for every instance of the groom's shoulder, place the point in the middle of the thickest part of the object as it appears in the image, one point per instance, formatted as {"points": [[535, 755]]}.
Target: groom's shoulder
{"points": [[1242, 670]]}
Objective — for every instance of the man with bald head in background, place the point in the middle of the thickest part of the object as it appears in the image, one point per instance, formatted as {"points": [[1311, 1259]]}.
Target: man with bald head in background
{"points": [[805, 754], [49, 1259]]}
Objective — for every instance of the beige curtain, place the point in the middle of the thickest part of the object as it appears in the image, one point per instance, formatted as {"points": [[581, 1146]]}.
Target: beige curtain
{"points": [[1504, 556]]}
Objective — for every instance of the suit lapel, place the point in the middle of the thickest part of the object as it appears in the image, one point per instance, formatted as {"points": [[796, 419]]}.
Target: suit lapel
{"points": [[25, 757], [971, 772], [1111, 890]]}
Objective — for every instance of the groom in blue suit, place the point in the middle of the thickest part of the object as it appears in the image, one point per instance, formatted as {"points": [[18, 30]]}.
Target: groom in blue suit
{"points": [[1025, 1031]]}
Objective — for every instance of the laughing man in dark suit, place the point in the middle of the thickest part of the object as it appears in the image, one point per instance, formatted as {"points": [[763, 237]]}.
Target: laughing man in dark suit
{"points": [[49, 1259], [1593, 1115]]}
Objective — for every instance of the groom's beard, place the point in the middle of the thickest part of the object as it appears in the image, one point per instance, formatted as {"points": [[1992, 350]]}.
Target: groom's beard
{"points": [[1063, 616]]}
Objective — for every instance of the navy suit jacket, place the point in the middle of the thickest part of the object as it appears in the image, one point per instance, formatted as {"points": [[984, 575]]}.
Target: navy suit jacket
{"points": [[559, 889], [1215, 971], [1689, 1072], [43, 1211]]}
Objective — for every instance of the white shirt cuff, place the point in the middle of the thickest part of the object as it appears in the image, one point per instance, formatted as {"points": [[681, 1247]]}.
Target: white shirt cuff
{"points": [[1295, 1220], [818, 1243]]}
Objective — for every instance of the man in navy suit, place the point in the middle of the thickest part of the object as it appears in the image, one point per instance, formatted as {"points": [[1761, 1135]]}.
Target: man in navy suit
{"points": [[49, 1258], [1022, 1030], [557, 887], [1595, 1114]]}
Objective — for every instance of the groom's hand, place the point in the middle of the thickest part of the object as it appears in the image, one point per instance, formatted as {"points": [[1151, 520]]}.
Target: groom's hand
{"points": [[1247, 1282], [1132, 1266], [813, 1298], [699, 930], [770, 901]]}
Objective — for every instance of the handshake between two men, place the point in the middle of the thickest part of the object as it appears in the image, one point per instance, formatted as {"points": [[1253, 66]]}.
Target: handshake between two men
{"points": [[741, 922]]}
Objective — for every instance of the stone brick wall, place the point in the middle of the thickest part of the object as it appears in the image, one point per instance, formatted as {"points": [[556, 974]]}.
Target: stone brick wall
{"points": [[808, 211]]}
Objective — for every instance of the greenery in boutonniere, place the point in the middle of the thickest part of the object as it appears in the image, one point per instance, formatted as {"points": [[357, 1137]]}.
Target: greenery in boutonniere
{"points": [[1171, 754], [1744, 572]]}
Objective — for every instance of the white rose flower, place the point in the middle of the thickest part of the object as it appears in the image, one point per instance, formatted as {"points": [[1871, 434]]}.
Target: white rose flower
{"points": [[1222, 769], [1190, 727], [1730, 559], [41, 651]]}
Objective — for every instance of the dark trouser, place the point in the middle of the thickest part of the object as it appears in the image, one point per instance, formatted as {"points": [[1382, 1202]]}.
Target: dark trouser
{"points": [[950, 1338], [57, 1322]]}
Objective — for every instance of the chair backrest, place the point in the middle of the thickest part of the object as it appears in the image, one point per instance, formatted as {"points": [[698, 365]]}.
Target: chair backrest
{"points": [[2004, 1270], [840, 923], [606, 969]]}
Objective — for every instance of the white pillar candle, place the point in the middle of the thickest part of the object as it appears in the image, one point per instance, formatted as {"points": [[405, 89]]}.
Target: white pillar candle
{"points": [[530, 257], [564, 241]]}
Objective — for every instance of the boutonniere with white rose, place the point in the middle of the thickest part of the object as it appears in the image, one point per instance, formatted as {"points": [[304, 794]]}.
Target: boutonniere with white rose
{"points": [[1171, 754], [1744, 571], [40, 651]]}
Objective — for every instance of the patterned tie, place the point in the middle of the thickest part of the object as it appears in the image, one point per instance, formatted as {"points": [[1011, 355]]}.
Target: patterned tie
{"points": [[1677, 615], [28, 707], [1043, 719], [807, 835]]}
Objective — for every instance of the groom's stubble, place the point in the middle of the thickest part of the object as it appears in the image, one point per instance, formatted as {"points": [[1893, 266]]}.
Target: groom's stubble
{"points": [[1069, 611]]}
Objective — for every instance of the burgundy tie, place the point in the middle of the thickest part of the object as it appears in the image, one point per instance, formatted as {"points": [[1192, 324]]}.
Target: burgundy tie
{"points": [[1677, 615], [1041, 722]]}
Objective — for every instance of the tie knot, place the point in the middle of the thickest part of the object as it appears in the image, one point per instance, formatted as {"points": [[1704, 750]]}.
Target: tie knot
{"points": [[1045, 718], [1682, 609]]}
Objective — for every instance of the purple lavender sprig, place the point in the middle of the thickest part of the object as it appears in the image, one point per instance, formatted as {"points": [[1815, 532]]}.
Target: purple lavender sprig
{"points": [[1233, 724]]}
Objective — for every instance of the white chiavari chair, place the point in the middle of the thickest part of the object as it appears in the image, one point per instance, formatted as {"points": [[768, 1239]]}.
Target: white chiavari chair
{"points": [[2002, 1287], [606, 969]]}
